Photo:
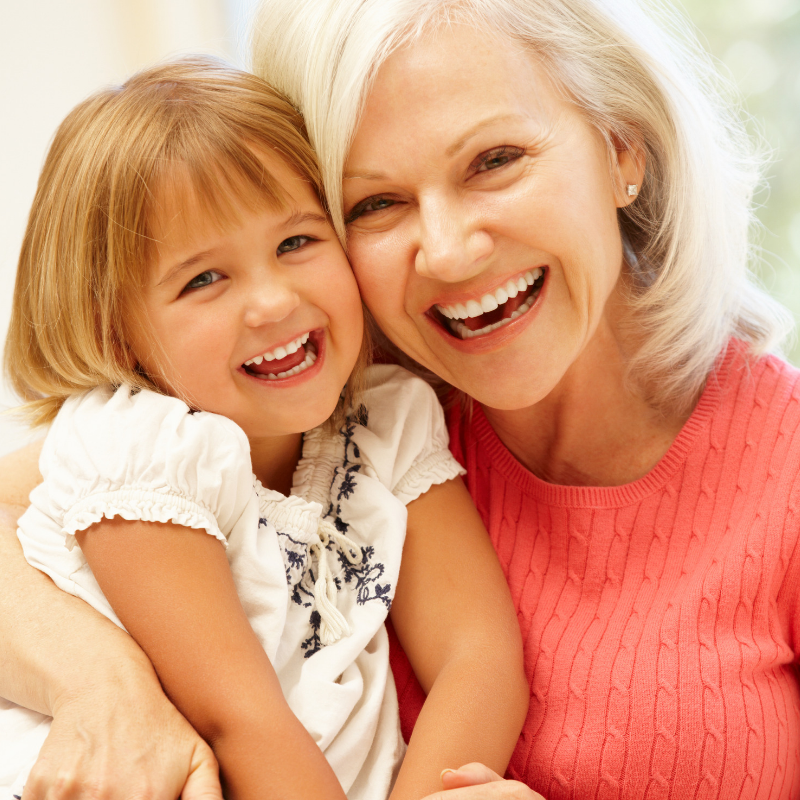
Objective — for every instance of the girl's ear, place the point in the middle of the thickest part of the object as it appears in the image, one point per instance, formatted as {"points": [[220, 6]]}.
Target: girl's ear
{"points": [[628, 163]]}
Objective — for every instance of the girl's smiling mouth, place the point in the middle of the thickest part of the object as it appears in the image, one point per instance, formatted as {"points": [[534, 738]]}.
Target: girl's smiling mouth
{"points": [[293, 358], [486, 314]]}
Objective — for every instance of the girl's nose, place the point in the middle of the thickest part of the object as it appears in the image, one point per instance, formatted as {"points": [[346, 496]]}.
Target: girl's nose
{"points": [[271, 301], [452, 246]]}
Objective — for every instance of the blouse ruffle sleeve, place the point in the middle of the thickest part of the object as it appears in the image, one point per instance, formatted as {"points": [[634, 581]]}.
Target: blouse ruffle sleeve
{"points": [[404, 440], [143, 456]]}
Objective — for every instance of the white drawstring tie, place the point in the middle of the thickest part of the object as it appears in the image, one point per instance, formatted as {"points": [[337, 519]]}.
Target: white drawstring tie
{"points": [[333, 625]]}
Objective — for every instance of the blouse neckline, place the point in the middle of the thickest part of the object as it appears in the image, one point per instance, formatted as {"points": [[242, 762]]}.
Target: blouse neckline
{"points": [[300, 512]]}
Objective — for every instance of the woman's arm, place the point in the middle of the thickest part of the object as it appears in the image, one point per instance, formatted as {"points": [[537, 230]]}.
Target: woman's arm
{"points": [[114, 735], [173, 590], [454, 618]]}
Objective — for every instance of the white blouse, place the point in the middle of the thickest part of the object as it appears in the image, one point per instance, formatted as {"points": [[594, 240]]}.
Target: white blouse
{"points": [[315, 571]]}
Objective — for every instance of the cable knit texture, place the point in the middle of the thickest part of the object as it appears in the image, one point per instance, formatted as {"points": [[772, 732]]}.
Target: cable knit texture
{"points": [[659, 618]]}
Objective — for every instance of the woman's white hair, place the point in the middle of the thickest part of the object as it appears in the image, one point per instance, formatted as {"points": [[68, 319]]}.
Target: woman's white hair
{"points": [[639, 77]]}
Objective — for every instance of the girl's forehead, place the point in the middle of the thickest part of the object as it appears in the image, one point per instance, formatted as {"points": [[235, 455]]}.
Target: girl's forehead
{"points": [[183, 204], [187, 208]]}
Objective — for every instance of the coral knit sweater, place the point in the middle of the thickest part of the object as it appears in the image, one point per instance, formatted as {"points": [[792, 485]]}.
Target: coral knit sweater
{"points": [[660, 619]]}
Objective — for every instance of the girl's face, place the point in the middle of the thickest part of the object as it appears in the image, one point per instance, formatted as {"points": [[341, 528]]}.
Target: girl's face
{"points": [[260, 320], [482, 218]]}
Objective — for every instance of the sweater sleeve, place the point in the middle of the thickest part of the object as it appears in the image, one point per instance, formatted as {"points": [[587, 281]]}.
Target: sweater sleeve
{"points": [[404, 438]]}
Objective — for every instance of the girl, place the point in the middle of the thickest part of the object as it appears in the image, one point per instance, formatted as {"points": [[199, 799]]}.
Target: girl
{"points": [[186, 316]]}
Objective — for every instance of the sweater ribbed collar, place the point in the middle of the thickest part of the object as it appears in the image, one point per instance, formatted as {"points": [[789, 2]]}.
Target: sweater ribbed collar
{"points": [[628, 494]]}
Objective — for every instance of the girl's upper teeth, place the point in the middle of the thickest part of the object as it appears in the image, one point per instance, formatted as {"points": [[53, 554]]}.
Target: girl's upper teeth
{"points": [[489, 302], [280, 352]]}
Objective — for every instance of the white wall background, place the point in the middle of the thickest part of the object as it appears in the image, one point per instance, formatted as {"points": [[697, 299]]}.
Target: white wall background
{"points": [[52, 55]]}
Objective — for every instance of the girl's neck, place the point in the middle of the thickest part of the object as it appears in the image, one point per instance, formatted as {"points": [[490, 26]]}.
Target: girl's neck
{"points": [[275, 459]]}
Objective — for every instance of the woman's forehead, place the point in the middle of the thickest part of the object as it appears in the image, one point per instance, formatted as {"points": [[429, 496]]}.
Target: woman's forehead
{"points": [[449, 83]]}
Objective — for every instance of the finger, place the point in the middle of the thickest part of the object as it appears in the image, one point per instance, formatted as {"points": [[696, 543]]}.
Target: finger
{"points": [[203, 780], [496, 790], [474, 774]]}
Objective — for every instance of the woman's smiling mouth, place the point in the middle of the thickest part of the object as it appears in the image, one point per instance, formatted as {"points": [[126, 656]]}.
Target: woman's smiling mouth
{"points": [[488, 313]]}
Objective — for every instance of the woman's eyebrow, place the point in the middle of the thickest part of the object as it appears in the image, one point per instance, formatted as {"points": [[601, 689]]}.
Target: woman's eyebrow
{"points": [[459, 144], [450, 151]]}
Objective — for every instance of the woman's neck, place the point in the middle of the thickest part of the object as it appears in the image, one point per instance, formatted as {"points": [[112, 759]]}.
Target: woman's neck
{"points": [[275, 460], [592, 429]]}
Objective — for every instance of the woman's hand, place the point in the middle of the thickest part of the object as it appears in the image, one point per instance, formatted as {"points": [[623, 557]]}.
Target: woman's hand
{"points": [[115, 735], [123, 743], [478, 782]]}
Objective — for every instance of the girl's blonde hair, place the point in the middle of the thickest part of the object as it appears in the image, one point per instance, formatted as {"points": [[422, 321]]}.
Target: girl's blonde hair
{"points": [[87, 242], [641, 79]]}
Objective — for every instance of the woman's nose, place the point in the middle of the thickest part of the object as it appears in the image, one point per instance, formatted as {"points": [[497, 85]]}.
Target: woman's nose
{"points": [[452, 247], [270, 301]]}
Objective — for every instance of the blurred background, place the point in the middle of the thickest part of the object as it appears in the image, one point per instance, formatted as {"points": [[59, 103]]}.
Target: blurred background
{"points": [[53, 54]]}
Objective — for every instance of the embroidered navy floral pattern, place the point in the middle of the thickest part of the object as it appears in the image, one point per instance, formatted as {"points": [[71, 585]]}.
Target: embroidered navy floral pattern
{"points": [[366, 576], [363, 578], [313, 644]]}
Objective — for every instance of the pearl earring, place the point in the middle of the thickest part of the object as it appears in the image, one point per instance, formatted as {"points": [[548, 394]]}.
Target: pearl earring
{"points": [[633, 190]]}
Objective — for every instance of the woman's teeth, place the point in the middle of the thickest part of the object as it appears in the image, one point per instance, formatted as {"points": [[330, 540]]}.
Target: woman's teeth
{"points": [[465, 333], [491, 302], [280, 352]]}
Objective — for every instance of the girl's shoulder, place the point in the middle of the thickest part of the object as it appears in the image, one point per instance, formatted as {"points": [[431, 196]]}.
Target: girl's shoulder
{"points": [[142, 451], [388, 388], [398, 430], [132, 420]]}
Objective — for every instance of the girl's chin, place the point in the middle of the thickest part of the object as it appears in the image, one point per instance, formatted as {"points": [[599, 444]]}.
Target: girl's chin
{"points": [[293, 423]]}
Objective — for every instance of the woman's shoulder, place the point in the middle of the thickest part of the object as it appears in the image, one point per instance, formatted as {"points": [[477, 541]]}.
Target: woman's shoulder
{"points": [[765, 383], [755, 418]]}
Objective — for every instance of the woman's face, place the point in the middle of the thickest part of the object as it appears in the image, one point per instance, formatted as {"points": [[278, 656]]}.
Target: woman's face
{"points": [[482, 218]]}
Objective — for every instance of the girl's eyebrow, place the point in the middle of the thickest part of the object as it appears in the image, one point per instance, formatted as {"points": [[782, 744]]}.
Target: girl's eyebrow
{"points": [[299, 217], [189, 262], [295, 218]]}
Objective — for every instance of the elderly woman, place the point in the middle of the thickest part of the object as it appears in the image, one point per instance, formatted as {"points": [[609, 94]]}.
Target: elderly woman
{"points": [[546, 206]]}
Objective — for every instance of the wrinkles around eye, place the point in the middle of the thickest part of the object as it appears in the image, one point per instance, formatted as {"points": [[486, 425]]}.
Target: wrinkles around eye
{"points": [[496, 158]]}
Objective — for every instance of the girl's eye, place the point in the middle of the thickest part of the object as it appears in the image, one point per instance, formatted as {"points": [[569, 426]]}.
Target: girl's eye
{"points": [[370, 205], [494, 159], [293, 243], [203, 279]]}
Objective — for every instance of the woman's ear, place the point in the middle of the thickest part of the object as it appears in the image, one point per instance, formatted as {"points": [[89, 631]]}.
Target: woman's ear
{"points": [[628, 163]]}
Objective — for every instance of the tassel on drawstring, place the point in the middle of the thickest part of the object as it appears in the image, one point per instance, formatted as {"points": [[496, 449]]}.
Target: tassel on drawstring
{"points": [[333, 625]]}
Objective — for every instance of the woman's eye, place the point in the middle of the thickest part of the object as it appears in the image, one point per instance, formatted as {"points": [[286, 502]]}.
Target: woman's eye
{"points": [[203, 279], [494, 159], [293, 243], [370, 205]]}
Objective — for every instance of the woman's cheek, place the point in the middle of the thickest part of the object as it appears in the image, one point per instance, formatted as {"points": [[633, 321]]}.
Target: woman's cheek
{"points": [[379, 274]]}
